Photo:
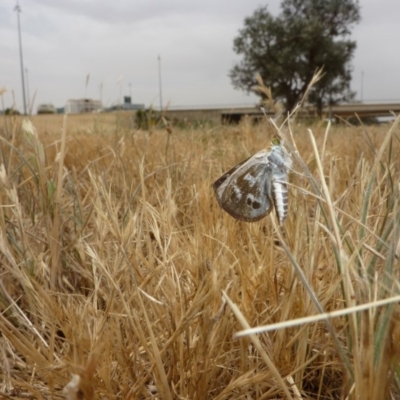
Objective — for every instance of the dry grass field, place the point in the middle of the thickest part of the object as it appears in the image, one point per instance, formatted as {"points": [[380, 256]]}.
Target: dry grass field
{"points": [[121, 278]]}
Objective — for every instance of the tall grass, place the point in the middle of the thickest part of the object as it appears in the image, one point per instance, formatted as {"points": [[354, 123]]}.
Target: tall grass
{"points": [[114, 255]]}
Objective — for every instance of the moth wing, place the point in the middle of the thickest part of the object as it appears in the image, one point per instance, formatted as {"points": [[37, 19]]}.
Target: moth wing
{"points": [[245, 191], [222, 181]]}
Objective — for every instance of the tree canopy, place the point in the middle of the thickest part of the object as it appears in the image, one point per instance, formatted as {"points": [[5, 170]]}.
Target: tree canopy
{"points": [[286, 50]]}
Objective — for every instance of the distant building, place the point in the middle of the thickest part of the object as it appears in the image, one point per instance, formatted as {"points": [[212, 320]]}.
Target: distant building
{"points": [[127, 105], [46, 109], [82, 106]]}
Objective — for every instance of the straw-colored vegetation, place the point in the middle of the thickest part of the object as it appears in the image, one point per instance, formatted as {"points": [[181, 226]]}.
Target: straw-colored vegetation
{"points": [[114, 257]]}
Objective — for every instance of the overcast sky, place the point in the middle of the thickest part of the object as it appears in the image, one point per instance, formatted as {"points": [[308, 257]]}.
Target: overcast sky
{"points": [[118, 42]]}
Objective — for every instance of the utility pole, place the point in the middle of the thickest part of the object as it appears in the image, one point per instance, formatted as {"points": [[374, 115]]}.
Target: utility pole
{"points": [[159, 82], [27, 90], [362, 86], [18, 10]]}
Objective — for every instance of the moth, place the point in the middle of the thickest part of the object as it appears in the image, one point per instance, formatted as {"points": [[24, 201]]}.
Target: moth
{"points": [[250, 190]]}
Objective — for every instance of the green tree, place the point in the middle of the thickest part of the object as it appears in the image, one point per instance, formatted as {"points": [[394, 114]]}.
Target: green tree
{"points": [[286, 50]]}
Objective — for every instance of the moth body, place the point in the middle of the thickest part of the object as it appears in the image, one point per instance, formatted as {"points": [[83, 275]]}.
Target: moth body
{"points": [[280, 197]]}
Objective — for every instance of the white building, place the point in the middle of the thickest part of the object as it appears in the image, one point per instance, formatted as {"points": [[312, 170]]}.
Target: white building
{"points": [[82, 106]]}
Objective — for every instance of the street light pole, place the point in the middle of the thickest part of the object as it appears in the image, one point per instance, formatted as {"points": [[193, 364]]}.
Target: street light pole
{"points": [[27, 91], [159, 82], [362, 86], [18, 10]]}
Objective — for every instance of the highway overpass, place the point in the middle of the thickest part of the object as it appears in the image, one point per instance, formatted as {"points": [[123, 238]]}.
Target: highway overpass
{"points": [[235, 114]]}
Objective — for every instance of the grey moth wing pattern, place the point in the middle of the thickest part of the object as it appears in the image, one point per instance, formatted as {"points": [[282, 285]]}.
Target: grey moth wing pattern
{"points": [[250, 190], [244, 191]]}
